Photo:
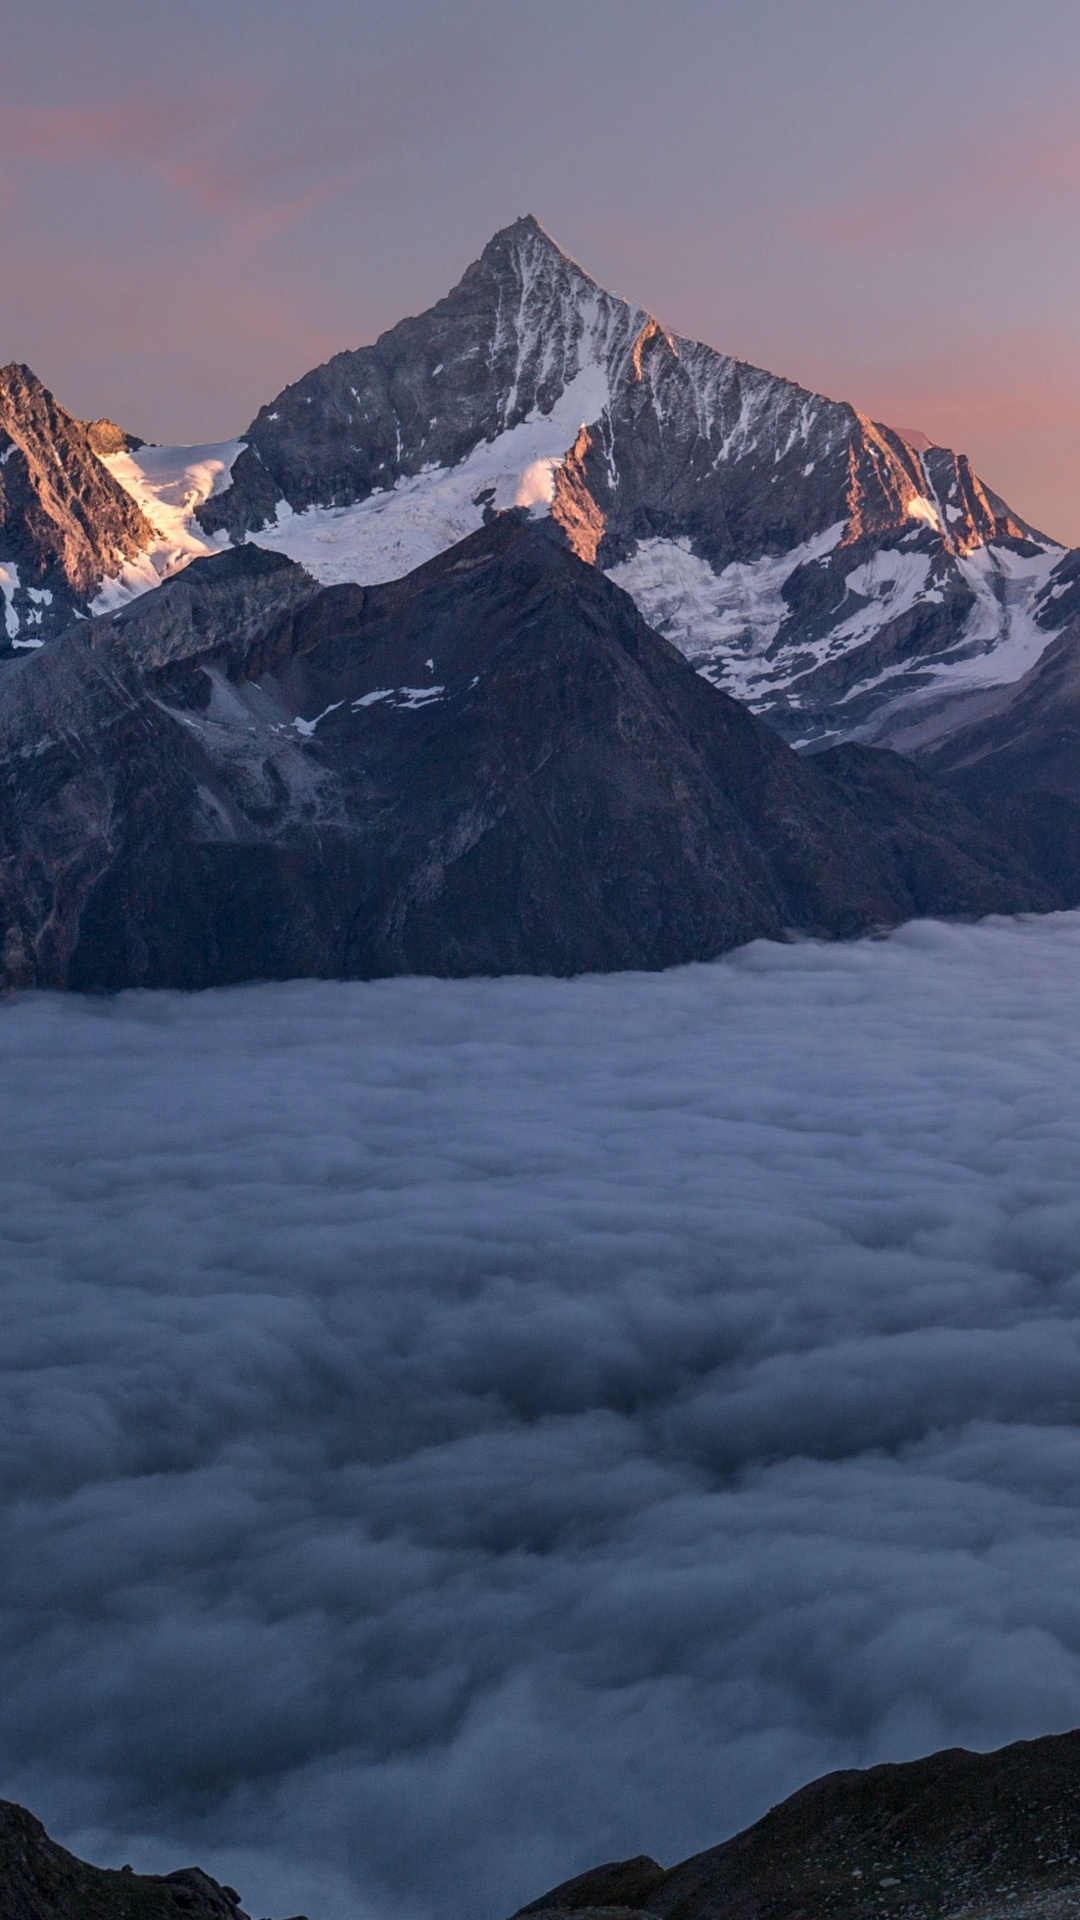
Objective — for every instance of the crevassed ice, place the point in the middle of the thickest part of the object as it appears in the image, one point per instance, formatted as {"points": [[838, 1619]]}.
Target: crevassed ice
{"points": [[725, 622], [738, 611]]}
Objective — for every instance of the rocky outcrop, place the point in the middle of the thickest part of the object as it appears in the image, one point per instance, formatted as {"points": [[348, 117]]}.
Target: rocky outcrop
{"points": [[491, 766], [65, 524], [42, 1881], [106, 437], [978, 1835]]}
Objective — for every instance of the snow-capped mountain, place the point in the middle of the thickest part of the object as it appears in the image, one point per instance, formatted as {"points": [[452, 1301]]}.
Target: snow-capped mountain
{"points": [[843, 579], [818, 566], [89, 515]]}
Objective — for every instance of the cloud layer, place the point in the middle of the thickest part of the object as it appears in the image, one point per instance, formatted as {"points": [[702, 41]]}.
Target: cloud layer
{"points": [[459, 1432]]}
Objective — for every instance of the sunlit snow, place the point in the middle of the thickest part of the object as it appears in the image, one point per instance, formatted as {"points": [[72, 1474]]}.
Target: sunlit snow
{"points": [[397, 529], [728, 622], [9, 587], [168, 483]]}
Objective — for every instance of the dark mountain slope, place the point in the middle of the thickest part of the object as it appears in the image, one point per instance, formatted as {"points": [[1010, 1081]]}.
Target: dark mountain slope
{"points": [[65, 523], [979, 1835], [1024, 738], [493, 765], [41, 1881]]}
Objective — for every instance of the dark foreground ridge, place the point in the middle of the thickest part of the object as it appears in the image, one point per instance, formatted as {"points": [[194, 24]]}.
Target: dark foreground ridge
{"points": [[41, 1881], [958, 1836], [491, 766]]}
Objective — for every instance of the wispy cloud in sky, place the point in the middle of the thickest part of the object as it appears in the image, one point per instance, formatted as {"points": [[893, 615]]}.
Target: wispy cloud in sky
{"points": [[838, 195], [1027, 174]]}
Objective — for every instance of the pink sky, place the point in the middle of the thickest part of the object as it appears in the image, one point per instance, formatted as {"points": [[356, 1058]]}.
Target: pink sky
{"points": [[881, 203]]}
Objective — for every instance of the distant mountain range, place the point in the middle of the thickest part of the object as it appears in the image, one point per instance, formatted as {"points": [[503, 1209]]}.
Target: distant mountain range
{"points": [[362, 691]]}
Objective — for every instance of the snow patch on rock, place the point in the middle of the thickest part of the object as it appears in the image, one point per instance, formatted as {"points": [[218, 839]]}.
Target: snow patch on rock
{"points": [[169, 484], [399, 528], [727, 624], [723, 622], [9, 587]]}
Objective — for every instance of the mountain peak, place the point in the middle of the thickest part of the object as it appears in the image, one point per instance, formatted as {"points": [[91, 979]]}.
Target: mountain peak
{"points": [[18, 383], [65, 523], [526, 240], [526, 226]]}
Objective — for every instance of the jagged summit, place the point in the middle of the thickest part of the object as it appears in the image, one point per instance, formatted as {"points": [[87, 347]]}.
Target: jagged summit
{"points": [[819, 566], [65, 523], [524, 229], [837, 575]]}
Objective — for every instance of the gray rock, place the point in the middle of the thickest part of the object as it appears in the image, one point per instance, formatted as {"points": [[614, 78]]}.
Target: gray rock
{"points": [[42, 1881], [807, 560], [1017, 739], [491, 766]]}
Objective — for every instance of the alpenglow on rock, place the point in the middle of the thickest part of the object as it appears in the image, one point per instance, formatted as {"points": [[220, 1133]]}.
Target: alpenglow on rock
{"points": [[815, 565], [65, 523]]}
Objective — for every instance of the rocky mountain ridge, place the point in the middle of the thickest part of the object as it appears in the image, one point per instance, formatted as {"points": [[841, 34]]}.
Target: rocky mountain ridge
{"points": [[65, 523], [957, 1836], [840, 579], [493, 765], [40, 1880], [816, 565]]}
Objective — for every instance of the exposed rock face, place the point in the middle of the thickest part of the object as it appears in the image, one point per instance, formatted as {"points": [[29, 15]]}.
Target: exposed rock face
{"points": [[491, 766], [821, 568], [41, 1881], [515, 333], [980, 1835], [845, 580], [65, 523], [106, 437]]}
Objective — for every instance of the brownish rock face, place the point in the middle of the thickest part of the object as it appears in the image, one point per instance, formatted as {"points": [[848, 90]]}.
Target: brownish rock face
{"points": [[65, 523]]}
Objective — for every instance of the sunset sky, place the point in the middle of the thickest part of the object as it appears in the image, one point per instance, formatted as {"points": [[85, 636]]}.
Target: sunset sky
{"points": [[200, 201]]}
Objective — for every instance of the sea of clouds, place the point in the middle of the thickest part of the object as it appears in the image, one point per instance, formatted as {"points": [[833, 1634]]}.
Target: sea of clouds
{"points": [[458, 1432]]}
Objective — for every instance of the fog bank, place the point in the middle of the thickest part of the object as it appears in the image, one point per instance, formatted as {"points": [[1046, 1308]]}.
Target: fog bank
{"points": [[455, 1433]]}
